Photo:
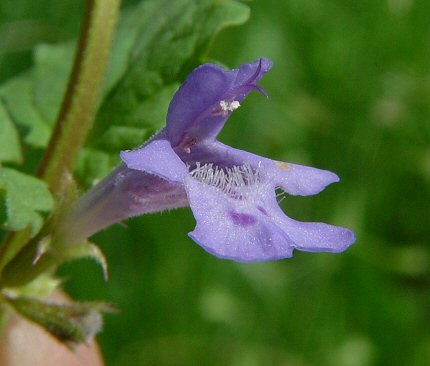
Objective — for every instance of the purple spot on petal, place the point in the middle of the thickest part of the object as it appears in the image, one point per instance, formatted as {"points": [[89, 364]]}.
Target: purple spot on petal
{"points": [[242, 219]]}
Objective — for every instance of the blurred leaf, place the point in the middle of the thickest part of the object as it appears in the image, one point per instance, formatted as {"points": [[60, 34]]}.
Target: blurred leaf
{"points": [[94, 164], [17, 95], [69, 323], [53, 66], [26, 23], [10, 149], [34, 98], [23, 199]]}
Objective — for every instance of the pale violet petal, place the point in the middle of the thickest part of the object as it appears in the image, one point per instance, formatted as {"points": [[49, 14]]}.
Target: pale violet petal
{"points": [[317, 236], [301, 180], [235, 229], [292, 178], [157, 157], [253, 227]]}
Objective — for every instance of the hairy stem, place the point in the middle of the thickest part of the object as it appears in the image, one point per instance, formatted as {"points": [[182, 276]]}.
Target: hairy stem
{"points": [[83, 92]]}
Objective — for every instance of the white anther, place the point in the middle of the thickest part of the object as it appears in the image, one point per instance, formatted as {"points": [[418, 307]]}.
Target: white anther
{"points": [[229, 106]]}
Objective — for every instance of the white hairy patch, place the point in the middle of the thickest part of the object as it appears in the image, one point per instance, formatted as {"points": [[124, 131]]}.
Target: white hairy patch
{"points": [[232, 181], [229, 106]]}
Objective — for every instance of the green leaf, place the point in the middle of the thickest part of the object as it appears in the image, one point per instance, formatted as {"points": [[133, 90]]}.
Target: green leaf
{"points": [[94, 164], [17, 95], [24, 199], [33, 98], [69, 323], [54, 64], [10, 147]]}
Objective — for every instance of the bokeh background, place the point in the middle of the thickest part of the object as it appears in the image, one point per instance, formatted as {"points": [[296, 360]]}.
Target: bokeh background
{"points": [[349, 92]]}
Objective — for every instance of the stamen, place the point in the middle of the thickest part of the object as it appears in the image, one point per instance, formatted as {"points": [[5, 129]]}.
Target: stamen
{"points": [[232, 181], [227, 106], [280, 195]]}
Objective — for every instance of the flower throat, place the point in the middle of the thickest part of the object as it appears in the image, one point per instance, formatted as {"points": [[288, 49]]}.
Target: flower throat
{"points": [[232, 180]]}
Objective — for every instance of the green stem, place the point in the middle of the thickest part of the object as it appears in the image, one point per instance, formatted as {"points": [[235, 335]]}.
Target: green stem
{"points": [[75, 119], [80, 103], [22, 269]]}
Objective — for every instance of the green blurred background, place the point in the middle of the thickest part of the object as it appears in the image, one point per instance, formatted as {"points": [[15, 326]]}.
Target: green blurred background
{"points": [[349, 92]]}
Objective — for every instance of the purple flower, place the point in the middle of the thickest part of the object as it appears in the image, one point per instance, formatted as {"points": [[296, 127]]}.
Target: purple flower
{"points": [[231, 192]]}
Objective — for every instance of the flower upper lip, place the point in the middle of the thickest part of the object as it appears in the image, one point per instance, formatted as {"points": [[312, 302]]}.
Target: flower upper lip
{"points": [[190, 112]]}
